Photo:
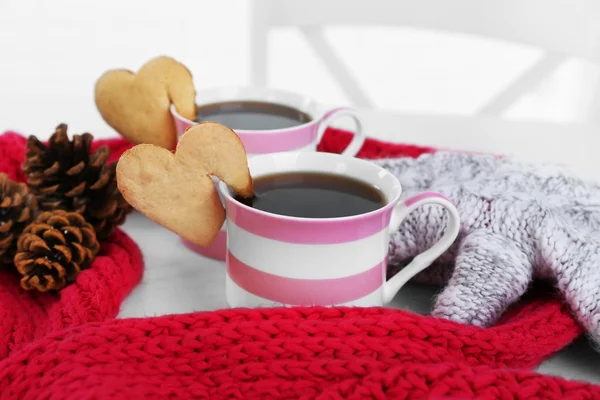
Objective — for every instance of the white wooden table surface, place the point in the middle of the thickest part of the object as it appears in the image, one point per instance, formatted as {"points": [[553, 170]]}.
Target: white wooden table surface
{"points": [[177, 280]]}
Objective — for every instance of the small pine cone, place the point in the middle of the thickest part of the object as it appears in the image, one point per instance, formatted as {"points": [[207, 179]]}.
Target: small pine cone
{"points": [[109, 208], [53, 250], [17, 208], [64, 175]]}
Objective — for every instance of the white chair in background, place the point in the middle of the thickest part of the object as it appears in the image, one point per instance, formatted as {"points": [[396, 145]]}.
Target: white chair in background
{"points": [[563, 29]]}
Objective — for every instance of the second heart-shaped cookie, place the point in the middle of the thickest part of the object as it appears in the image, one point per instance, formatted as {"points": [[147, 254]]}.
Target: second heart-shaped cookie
{"points": [[175, 189], [137, 105]]}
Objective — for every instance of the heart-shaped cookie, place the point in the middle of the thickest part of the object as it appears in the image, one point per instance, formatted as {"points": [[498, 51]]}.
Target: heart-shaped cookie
{"points": [[175, 189], [137, 105]]}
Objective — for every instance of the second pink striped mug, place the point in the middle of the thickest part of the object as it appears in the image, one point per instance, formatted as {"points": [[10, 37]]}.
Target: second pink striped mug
{"points": [[277, 260], [303, 137]]}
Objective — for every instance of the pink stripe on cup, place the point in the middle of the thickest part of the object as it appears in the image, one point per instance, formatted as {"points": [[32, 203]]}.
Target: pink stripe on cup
{"points": [[262, 142], [181, 124], [305, 291], [216, 250], [308, 231]]}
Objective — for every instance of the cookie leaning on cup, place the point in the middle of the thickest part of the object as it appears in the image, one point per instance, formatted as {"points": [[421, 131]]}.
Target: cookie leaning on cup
{"points": [[175, 189], [137, 105]]}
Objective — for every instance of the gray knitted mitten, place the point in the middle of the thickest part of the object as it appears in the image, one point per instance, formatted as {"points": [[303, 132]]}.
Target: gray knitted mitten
{"points": [[518, 222]]}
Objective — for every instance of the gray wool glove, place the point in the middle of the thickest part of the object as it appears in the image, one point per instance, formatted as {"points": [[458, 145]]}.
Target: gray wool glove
{"points": [[518, 222]]}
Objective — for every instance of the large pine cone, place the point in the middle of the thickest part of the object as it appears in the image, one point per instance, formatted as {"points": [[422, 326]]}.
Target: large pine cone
{"points": [[53, 250], [17, 208], [64, 175]]}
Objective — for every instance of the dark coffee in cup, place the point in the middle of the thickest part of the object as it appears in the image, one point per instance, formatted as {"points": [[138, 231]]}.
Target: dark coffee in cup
{"points": [[314, 195], [252, 115]]}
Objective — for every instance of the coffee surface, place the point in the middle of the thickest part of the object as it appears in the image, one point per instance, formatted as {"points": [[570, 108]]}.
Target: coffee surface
{"points": [[252, 115], [314, 195]]}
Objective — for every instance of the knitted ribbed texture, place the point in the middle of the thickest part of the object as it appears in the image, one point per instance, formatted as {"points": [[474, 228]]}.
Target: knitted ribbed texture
{"points": [[519, 222], [95, 296], [282, 352], [326, 353]]}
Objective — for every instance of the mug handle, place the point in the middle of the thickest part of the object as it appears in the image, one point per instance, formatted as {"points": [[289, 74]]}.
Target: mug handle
{"points": [[425, 259], [359, 137]]}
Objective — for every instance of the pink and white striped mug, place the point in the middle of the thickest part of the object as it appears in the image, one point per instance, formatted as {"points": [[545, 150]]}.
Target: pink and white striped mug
{"points": [[277, 260], [299, 138]]}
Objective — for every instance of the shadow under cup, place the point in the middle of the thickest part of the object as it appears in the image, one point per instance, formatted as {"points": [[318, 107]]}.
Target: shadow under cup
{"points": [[274, 259], [311, 117]]}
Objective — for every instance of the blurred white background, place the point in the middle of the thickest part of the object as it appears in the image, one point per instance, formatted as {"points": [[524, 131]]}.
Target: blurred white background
{"points": [[445, 80], [51, 53]]}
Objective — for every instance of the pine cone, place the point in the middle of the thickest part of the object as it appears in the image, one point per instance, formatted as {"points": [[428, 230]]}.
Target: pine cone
{"points": [[64, 175], [53, 249], [17, 208]]}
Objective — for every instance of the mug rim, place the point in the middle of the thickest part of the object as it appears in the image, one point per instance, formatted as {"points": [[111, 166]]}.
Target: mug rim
{"points": [[316, 116], [391, 201]]}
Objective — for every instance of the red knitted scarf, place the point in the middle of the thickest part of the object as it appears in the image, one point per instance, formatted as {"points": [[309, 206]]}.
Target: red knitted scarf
{"points": [[69, 345]]}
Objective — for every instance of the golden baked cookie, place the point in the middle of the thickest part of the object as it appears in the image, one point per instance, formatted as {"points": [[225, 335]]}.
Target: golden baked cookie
{"points": [[137, 105], [175, 189]]}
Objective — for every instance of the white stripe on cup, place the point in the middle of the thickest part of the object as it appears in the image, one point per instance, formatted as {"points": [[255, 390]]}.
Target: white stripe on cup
{"points": [[306, 261]]}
